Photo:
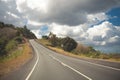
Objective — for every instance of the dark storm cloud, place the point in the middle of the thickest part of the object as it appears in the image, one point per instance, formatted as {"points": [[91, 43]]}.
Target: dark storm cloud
{"points": [[69, 17], [9, 14], [74, 12], [66, 12], [59, 11]]}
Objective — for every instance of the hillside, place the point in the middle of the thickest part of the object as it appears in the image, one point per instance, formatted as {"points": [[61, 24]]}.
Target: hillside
{"points": [[15, 49], [11, 36]]}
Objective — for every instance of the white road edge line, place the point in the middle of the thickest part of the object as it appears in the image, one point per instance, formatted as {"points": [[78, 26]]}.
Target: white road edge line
{"points": [[117, 69], [71, 68], [102, 65], [27, 78]]}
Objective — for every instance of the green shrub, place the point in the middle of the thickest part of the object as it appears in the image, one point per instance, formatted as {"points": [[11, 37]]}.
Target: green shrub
{"points": [[19, 39], [69, 44], [3, 41], [11, 45]]}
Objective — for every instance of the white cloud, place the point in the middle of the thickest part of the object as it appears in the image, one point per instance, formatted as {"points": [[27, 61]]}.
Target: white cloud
{"points": [[41, 5], [96, 18], [59, 30], [65, 30], [114, 39], [99, 30], [83, 20], [103, 34], [4, 0], [82, 30], [37, 33], [34, 23], [19, 5], [62, 12], [13, 15]]}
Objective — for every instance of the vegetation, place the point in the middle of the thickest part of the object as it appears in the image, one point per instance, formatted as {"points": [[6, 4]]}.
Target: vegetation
{"points": [[13, 54], [14, 47], [10, 45], [68, 44], [53, 40], [11, 36], [17, 58], [25, 32]]}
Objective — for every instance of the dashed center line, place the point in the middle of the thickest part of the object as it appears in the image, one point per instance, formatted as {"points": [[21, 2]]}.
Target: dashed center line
{"points": [[71, 68]]}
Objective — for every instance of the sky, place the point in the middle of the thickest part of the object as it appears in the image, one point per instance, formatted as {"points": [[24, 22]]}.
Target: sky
{"points": [[91, 22]]}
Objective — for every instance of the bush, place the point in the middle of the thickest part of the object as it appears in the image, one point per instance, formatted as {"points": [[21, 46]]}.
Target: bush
{"points": [[45, 37], [11, 45], [19, 39], [3, 41], [81, 49], [68, 44], [53, 40]]}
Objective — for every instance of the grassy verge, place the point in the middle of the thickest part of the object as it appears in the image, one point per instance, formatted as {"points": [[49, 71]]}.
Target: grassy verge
{"points": [[44, 42], [100, 56], [13, 61], [14, 54]]}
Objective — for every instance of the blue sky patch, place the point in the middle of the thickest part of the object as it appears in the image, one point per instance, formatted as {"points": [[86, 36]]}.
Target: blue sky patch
{"points": [[44, 28], [115, 16]]}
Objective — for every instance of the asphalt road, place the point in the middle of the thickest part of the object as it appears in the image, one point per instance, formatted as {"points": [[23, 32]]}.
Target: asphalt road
{"points": [[49, 65]]}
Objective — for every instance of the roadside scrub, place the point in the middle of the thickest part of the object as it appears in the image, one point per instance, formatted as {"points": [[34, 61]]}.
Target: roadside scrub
{"points": [[15, 59], [82, 52]]}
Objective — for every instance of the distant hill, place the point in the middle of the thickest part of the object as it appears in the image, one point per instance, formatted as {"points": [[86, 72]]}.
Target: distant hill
{"points": [[10, 36]]}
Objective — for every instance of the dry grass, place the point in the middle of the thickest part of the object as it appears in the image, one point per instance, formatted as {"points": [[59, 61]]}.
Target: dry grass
{"points": [[15, 62], [110, 57], [102, 57], [66, 53], [105, 57], [44, 42]]}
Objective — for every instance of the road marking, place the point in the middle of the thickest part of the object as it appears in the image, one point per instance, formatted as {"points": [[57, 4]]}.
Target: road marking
{"points": [[70, 68], [101, 65], [27, 78]]}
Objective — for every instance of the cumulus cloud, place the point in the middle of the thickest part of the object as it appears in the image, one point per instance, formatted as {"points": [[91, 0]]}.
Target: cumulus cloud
{"points": [[84, 20], [63, 12], [104, 34], [93, 19], [9, 13], [37, 33]]}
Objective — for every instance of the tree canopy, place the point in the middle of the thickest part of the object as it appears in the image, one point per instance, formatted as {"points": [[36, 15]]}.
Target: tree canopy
{"points": [[67, 43]]}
